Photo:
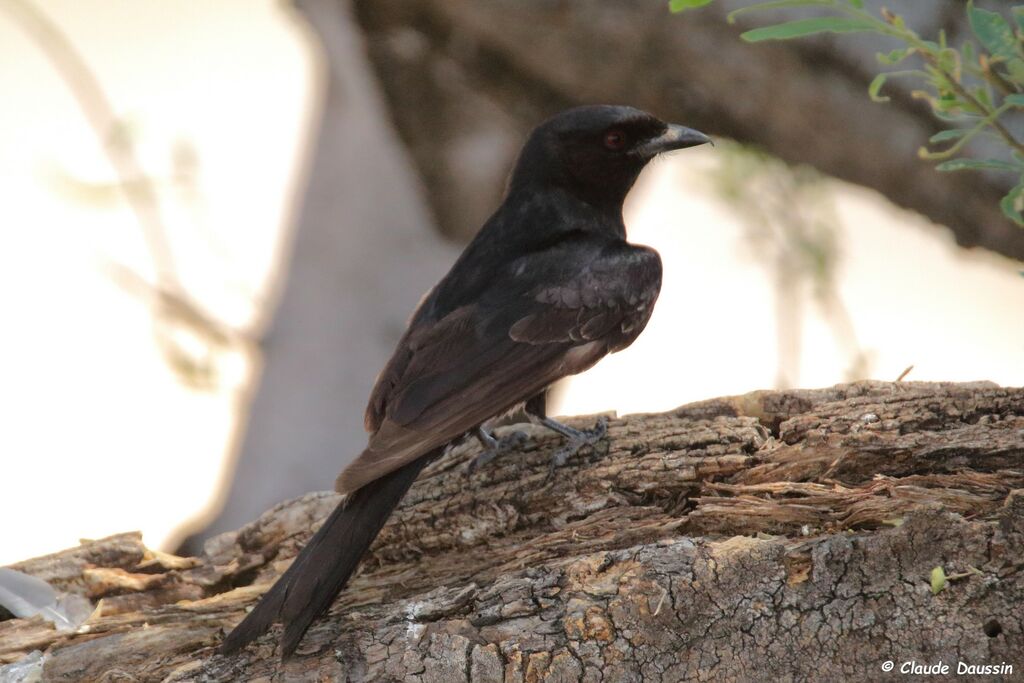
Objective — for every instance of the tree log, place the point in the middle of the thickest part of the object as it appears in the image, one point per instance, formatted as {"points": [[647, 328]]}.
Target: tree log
{"points": [[787, 535]]}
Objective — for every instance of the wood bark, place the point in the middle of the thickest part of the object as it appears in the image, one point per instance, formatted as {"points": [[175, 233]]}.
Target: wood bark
{"points": [[466, 79], [775, 535]]}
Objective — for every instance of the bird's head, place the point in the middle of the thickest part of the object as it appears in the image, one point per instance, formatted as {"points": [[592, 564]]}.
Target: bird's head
{"points": [[596, 152]]}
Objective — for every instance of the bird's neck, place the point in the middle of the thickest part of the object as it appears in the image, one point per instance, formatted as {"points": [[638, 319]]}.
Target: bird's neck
{"points": [[530, 220], [555, 209]]}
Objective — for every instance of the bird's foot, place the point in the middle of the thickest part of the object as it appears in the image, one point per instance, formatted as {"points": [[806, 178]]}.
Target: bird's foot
{"points": [[495, 447], [575, 439]]}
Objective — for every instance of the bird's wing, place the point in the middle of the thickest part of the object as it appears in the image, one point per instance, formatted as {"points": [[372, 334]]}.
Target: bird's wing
{"points": [[612, 300], [516, 339]]}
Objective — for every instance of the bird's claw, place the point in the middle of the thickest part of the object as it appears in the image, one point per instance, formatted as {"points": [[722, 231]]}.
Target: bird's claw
{"points": [[577, 440], [496, 448]]}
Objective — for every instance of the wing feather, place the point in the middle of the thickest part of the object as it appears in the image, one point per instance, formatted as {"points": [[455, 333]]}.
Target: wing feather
{"points": [[477, 361]]}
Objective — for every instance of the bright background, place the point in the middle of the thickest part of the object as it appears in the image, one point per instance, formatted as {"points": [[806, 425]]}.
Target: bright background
{"points": [[98, 434]]}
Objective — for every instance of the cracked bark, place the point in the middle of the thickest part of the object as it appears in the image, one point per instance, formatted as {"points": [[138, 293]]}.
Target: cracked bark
{"points": [[785, 535]]}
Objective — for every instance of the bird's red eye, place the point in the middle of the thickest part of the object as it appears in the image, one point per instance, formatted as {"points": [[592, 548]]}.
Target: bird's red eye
{"points": [[615, 140]]}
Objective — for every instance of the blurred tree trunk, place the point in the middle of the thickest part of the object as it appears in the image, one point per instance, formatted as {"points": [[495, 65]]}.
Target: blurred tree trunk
{"points": [[466, 78], [362, 251], [786, 535]]}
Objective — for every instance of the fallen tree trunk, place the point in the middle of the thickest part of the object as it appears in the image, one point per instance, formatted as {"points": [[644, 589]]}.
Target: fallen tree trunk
{"points": [[788, 535]]}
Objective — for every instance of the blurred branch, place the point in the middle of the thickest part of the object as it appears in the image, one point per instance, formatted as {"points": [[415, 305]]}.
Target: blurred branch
{"points": [[507, 63], [180, 327], [793, 229], [171, 305], [98, 112]]}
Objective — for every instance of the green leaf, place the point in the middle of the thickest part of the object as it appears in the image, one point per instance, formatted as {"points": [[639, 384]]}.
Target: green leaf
{"points": [[683, 5], [957, 117], [967, 52], [938, 580], [953, 134], [1016, 100], [776, 4], [859, 4], [876, 85], [1018, 16], [948, 101], [947, 59], [895, 56], [964, 163], [1015, 67], [1010, 204], [807, 27], [993, 31], [981, 94]]}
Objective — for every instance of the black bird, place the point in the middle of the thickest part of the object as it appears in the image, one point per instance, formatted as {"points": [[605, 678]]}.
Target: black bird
{"points": [[547, 287]]}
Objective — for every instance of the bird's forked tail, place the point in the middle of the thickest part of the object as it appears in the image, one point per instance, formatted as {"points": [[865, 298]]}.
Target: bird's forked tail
{"points": [[320, 570]]}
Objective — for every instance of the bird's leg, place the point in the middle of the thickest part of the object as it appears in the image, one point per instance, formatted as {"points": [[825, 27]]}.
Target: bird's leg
{"points": [[575, 439], [535, 410], [494, 447]]}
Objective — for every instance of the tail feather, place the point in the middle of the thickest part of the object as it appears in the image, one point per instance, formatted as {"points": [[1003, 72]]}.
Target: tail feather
{"points": [[320, 571]]}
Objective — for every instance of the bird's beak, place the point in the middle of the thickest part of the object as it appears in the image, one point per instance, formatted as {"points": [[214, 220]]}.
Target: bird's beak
{"points": [[674, 137]]}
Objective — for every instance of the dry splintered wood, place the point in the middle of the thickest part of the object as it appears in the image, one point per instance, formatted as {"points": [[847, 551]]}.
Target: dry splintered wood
{"points": [[786, 535]]}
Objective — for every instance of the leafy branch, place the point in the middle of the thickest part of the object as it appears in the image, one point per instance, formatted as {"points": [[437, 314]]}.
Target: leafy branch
{"points": [[974, 89]]}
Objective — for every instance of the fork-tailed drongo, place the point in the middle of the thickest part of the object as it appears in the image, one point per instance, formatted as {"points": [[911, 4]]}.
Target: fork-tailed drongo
{"points": [[547, 287]]}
